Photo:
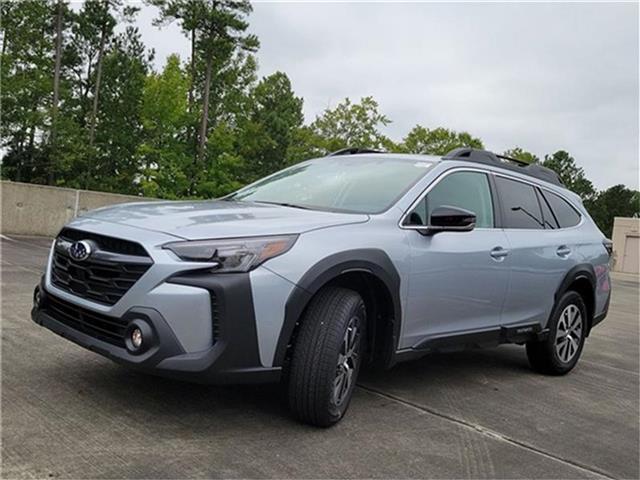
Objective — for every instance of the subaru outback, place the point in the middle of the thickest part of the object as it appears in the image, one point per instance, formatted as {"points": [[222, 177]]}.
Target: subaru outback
{"points": [[356, 259]]}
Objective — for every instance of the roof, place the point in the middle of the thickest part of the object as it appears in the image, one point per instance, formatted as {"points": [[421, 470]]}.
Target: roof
{"points": [[409, 157], [471, 155]]}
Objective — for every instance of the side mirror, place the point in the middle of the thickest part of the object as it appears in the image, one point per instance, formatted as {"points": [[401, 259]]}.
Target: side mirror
{"points": [[450, 219]]}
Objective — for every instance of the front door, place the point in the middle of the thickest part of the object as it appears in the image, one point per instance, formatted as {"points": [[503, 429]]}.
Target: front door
{"points": [[458, 280]]}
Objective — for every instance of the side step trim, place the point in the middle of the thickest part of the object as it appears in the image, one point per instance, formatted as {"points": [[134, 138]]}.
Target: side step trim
{"points": [[494, 336]]}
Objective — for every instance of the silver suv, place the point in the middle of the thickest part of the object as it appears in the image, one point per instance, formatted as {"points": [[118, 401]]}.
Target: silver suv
{"points": [[358, 258]]}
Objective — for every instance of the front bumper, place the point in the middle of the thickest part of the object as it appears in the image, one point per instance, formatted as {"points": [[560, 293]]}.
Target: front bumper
{"points": [[233, 357]]}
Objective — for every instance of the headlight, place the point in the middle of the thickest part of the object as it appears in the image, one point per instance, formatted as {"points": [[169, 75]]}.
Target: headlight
{"points": [[234, 254]]}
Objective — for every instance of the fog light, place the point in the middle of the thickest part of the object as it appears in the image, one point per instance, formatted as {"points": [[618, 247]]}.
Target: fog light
{"points": [[37, 297], [136, 338], [139, 337]]}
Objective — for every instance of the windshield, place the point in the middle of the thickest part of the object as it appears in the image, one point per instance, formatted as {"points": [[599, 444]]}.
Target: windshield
{"points": [[356, 184]]}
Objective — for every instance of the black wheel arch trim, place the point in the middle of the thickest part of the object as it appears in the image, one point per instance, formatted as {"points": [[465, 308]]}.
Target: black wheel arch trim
{"points": [[583, 270], [369, 260], [580, 271]]}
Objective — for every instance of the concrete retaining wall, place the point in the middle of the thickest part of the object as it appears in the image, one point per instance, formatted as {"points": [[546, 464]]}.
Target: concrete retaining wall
{"points": [[29, 209]]}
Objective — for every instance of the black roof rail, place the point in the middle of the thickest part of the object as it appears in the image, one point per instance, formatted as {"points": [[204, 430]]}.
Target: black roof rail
{"points": [[514, 160], [352, 151], [513, 164]]}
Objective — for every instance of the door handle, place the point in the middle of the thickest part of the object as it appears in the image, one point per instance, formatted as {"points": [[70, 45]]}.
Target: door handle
{"points": [[563, 251], [498, 253]]}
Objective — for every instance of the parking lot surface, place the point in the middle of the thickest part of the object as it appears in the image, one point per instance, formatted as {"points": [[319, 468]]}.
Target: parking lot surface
{"points": [[67, 412]]}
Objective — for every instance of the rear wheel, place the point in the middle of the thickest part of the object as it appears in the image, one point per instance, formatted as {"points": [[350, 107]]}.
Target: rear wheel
{"points": [[560, 351], [327, 356]]}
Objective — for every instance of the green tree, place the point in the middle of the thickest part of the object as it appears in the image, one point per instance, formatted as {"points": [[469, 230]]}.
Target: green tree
{"points": [[230, 95], [274, 115], [437, 141], [348, 125], [616, 201], [61, 14], [100, 14], [125, 68], [224, 169], [186, 13], [522, 155], [164, 153], [27, 68], [218, 32], [229, 111], [571, 174], [305, 144]]}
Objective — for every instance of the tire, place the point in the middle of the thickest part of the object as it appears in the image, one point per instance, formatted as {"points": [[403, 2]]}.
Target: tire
{"points": [[560, 351], [332, 331]]}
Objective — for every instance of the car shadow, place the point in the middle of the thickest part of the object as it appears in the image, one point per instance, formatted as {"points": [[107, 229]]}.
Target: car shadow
{"points": [[185, 397], [206, 408]]}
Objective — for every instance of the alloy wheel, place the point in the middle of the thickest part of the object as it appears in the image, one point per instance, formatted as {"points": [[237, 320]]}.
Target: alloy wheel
{"points": [[347, 361], [569, 333]]}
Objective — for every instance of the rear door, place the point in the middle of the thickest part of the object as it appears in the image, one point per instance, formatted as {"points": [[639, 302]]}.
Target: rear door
{"points": [[458, 280], [540, 250]]}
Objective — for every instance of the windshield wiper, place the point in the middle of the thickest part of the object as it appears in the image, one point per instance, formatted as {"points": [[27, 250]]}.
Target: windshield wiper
{"points": [[283, 204]]}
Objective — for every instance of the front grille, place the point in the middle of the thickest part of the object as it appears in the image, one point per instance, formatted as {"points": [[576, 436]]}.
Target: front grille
{"points": [[109, 244], [106, 275], [97, 325]]}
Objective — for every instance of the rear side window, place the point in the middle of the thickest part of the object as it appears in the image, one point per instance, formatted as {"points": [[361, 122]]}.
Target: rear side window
{"points": [[520, 205], [565, 214]]}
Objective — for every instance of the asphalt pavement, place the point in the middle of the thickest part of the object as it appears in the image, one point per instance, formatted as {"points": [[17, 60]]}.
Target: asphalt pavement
{"points": [[69, 413]]}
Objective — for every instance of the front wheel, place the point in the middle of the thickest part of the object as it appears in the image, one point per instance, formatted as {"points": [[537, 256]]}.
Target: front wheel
{"points": [[560, 351], [327, 356]]}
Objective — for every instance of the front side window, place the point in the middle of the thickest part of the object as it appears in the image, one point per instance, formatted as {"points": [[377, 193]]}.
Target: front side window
{"points": [[357, 184], [564, 213], [467, 190], [519, 203]]}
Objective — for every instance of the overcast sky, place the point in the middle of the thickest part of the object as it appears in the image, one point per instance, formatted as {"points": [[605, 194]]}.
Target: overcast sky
{"points": [[536, 75]]}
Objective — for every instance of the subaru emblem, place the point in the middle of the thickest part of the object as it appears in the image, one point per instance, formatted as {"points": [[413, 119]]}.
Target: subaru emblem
{"points": [[80, 251]]}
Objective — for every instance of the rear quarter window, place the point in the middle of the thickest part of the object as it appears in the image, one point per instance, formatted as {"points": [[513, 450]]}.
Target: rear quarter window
{"points": [[566, 215], [549, 217]]}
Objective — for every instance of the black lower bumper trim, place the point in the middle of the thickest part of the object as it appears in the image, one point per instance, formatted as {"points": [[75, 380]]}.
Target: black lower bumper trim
{"points": [[220, 364], [600, 317]]}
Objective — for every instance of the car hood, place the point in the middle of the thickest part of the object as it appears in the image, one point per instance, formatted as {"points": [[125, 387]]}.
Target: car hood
{"points": [[220, 219]]}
